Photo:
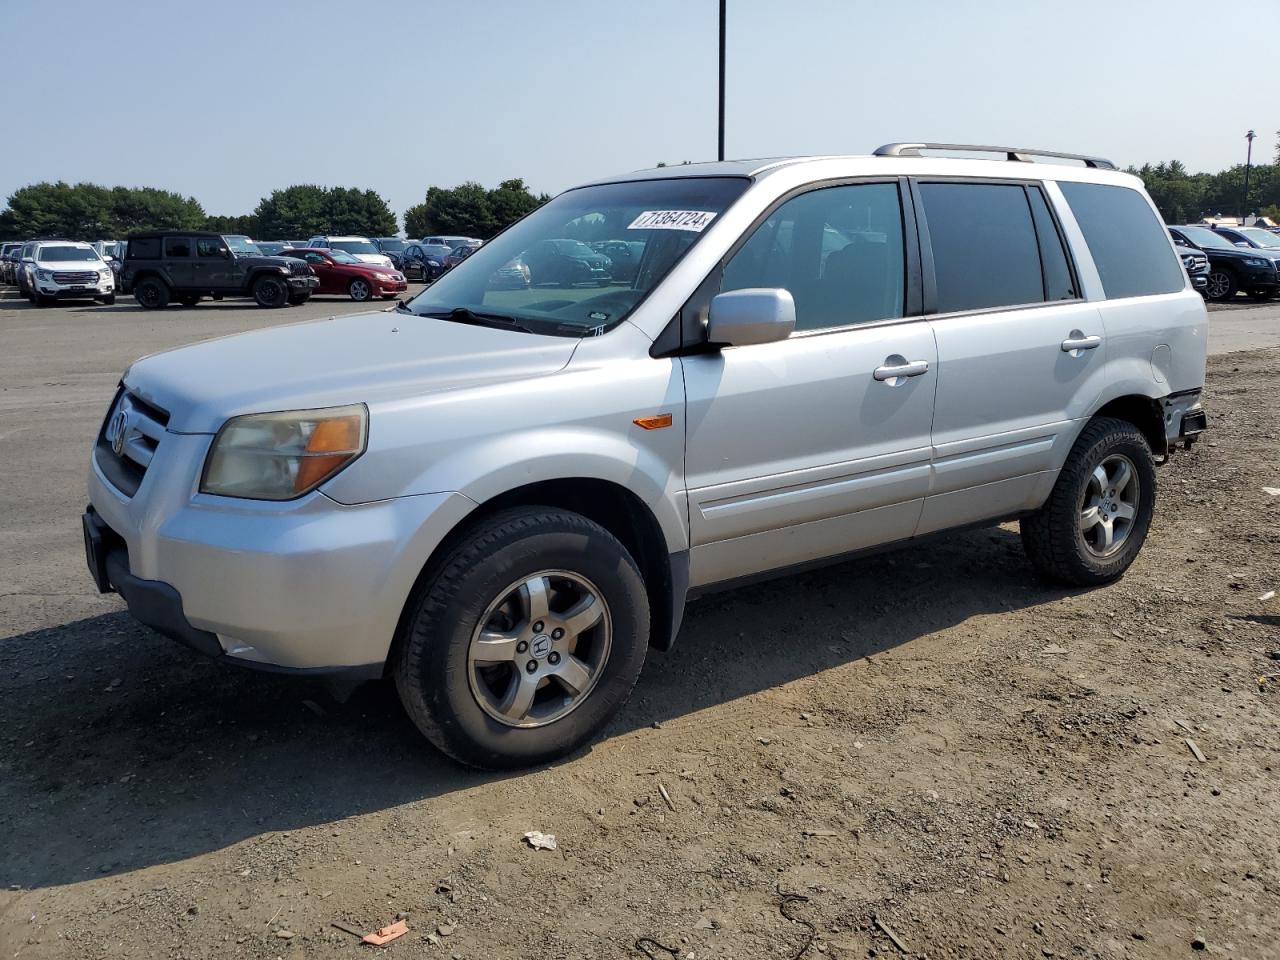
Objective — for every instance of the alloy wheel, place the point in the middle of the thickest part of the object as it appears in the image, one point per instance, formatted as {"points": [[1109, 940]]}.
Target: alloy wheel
{"points": [[539, 648], [1109, 505], [1219, 285]]}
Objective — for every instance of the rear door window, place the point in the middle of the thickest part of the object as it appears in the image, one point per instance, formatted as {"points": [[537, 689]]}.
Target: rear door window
{"points": [[144, 248], [177, 247], [1059, 282], [1129, 245], [985, 251]]}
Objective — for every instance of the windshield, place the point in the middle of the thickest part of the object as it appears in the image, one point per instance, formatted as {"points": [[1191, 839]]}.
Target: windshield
{"points": [[569, 289], [353, 246], [1204, 237], [269, 247], [242, 246], [1263, 238], [393, 245], [341, 256], [65, 254]]}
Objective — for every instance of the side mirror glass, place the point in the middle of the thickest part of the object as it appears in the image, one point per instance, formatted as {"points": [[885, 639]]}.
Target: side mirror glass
{"points": [[755, 315], [1241, 243]]}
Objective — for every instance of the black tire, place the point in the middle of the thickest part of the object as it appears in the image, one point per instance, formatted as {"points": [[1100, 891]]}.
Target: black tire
{"points": [[108, 301], [40, 300], [299, 299], [361, 290], [1053, 537], [1260, 296], [152, 293], [431, 667], [1222, 284], [270, 292], [189, 299]]}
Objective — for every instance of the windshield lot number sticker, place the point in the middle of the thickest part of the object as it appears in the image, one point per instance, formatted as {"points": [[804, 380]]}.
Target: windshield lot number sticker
{"points": [[694, 220]]}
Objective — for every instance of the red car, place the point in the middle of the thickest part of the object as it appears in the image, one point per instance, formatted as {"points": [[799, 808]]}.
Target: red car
{"points": [[341, 273]]}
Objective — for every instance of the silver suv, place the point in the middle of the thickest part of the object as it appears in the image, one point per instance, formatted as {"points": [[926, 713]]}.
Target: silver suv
{"points": [[501, 498]]}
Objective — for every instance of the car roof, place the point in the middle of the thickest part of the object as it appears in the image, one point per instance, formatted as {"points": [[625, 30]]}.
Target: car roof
{"points": [[896, 164], [148, 234], [64, 243]]}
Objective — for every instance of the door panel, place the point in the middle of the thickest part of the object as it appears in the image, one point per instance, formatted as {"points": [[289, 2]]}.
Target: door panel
{"points": [[1009, 398], [177, 261], [795, 451]]}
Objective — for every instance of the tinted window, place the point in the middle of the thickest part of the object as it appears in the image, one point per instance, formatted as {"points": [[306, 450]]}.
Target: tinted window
{"points": [[144, 248], [985, 252], [839, 251], [177, 247], [206, 247], [1128, 242], [1058, 282]]}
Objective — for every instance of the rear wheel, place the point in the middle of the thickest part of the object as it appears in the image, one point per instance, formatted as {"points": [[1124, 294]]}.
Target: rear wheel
{"points": [[525, 640], [1222, 285], [270, 292], [1096, 519], [152, 293], [360, 290]]}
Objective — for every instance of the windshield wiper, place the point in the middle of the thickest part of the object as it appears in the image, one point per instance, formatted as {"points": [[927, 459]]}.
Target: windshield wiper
{"points": [[465, 315]]}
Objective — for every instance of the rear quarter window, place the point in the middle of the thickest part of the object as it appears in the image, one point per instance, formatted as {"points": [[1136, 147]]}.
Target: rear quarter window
{"points": [[1129, 244]]}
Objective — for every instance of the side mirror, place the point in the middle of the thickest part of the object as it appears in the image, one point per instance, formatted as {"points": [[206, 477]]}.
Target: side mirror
{"points": [[1241, 243], [757, 315]]}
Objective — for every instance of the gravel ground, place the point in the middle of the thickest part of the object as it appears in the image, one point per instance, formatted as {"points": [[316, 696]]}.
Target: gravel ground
{"points": [[925, 753]]}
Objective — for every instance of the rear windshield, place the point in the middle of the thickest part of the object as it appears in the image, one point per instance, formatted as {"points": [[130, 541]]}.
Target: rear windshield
{"points": [[353, 246], [66, 254], [394, 245]]}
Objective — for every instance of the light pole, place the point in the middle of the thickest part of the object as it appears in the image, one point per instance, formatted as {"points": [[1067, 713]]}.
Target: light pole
{"points": [[720, 151], [1248, 161]]}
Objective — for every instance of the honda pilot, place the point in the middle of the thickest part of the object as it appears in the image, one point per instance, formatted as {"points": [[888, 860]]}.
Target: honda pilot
{"points": [[501, 496]]}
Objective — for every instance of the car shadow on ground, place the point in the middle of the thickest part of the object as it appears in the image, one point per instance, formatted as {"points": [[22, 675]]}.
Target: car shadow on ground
{"points": [[120, 750]]}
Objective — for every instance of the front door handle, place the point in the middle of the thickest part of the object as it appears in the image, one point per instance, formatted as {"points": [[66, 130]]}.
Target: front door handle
{"points": [[896, 367], [1078, 342]]}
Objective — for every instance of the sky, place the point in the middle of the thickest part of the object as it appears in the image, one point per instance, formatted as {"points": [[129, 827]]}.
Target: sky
{"points": [[228, 101]]}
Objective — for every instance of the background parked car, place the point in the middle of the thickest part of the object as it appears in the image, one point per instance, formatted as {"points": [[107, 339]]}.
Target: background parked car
{"points": [[1231, 269], [362, 248], [460, 253], [1254, 238], [1196, 263], [272, 248], [437, 240], [566, 263], [423, 262], [343, 273], [9, 254], [394, 248], [513, 276], [69, 270], [624, 257]]}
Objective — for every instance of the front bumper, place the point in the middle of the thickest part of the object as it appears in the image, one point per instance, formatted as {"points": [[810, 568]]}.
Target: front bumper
{"points": [[385, 287], [310, 584], [1200, 283], [301, 284], [59, 292]]}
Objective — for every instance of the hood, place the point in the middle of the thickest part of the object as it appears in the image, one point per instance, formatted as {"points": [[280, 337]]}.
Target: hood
{"points": [[380, 259], [358, 358]]}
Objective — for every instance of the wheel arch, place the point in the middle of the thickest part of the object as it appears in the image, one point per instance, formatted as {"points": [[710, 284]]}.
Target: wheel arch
{"points": [[614, 507], [1144, 413]]}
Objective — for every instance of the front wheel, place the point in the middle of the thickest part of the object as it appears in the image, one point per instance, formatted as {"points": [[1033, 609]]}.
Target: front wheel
{"points": [[1096, 519], [270, 292], [525, 640], [1222, 285], [360, 290]]}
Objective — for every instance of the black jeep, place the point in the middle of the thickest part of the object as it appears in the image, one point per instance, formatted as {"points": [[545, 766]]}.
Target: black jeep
{"points": [[187, 265]]}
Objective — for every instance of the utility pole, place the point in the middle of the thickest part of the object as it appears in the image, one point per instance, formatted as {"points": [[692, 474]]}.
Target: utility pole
{"points": [[720, 151], [1248, 161]]}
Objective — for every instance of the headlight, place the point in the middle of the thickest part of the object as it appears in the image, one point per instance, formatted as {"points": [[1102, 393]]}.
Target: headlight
{"points": [[104, 273], [280, 456], [44, 275], [383, 276], [1256, 262]]}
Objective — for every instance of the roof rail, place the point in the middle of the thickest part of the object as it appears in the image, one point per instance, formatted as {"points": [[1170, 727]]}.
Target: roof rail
{"points": [[1011, 153]]}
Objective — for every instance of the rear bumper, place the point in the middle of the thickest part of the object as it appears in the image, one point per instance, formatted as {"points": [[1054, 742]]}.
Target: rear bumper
{"points": [[1184, 417]]}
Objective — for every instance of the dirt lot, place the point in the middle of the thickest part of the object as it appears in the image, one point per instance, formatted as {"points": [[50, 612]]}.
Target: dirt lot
{"points": [[929, 745]]}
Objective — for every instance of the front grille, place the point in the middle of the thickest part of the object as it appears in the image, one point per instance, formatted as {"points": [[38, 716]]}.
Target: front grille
{"points": [[128, 441], [75, 276], [299, 268]]}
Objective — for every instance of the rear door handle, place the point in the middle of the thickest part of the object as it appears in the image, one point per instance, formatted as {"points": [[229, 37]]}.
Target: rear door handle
{"points": [[893, 371], [1077, 342]]}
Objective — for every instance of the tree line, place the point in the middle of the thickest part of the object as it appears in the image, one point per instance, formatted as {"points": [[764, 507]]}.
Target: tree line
{"points": [[88, 211], [1184, 197]]}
